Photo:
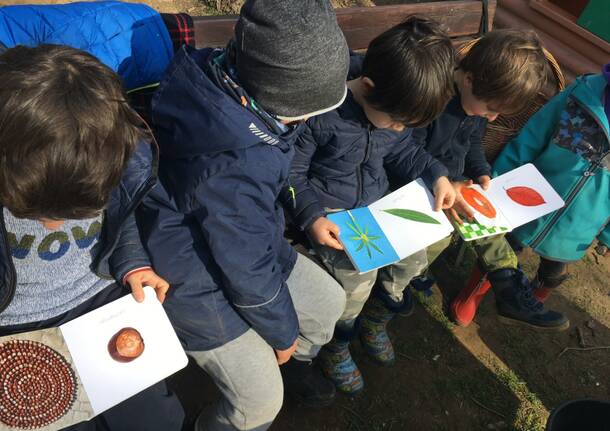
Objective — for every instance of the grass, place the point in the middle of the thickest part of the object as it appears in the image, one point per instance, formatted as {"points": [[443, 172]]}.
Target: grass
{"points": [[530, 415]]}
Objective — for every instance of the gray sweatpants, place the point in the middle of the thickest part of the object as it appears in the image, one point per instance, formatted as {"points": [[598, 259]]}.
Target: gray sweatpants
{"points": [[246, 370], [393, 279]]}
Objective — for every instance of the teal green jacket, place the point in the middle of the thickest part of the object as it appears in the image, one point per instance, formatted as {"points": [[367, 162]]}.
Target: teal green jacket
{"points": [[568, 140]]}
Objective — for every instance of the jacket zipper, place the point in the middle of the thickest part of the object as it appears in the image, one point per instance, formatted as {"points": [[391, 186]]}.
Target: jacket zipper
{"points": [[558, 214], [579, 185], [12, 273], [138, 197], [360, 168]]}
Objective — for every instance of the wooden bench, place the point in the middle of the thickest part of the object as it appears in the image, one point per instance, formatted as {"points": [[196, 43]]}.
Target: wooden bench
{"points": [[462, 19]]}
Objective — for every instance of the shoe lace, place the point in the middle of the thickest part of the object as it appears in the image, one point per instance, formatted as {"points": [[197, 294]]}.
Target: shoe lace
{"points": [[527, 297]]}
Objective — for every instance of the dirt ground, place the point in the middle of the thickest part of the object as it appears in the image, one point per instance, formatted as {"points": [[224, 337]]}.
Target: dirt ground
{"points": [[483, 377], [447, 378]]}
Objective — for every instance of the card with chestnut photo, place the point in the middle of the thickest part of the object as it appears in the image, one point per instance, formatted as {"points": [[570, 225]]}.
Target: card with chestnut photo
{"points": [[56, 377]]}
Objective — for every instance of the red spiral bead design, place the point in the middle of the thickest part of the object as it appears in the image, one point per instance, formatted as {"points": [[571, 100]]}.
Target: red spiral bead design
{"points": [[37, 384]]}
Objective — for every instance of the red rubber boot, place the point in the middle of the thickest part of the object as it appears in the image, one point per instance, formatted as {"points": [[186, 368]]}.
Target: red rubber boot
{"points": [[542, 293], [464, 306]]}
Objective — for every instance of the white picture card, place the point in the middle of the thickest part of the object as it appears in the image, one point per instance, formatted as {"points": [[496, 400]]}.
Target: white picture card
{"points": [[512, 200], [56, 377], [107, 381]]}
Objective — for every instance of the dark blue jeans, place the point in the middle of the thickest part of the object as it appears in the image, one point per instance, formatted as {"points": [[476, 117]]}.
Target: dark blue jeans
{"points": [[155, 408]]}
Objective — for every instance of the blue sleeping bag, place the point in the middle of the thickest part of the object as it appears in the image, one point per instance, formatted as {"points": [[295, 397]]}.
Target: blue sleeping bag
{"points": [[129, 38]]}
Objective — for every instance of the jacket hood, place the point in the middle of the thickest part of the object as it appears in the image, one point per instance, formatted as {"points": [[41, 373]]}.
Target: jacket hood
{"points": [[189, 106], [588, 91]]}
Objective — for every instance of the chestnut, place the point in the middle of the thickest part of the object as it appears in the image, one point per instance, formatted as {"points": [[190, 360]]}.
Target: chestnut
{"points": [[126, 345]]}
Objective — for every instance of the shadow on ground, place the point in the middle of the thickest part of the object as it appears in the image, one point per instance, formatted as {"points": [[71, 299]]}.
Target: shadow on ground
{"points": [[556, 366], [436, 385]]}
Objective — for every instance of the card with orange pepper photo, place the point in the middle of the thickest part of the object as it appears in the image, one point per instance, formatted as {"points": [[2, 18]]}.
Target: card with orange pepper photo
{"points": [[512, 199]]}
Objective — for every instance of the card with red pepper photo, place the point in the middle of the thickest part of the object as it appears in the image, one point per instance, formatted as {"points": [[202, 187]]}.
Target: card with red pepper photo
{"points": [[512, 199]]}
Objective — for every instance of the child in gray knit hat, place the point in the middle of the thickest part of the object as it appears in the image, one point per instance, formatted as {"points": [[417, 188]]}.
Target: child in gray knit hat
{"points": [[243, 301], [291, 57]]}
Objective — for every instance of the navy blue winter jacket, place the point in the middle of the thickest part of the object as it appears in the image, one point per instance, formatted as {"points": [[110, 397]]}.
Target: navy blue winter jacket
{"points": [[342, 161], [212, 226], [119, 249], [455, 139]]}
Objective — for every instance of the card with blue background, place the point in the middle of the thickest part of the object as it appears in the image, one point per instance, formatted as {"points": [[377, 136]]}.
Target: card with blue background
{"points": [[364, 240], [392, 228]]}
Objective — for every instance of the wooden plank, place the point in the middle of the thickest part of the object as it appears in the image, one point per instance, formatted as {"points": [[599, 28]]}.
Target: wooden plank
{"points": [[361, 25], [213, 31], [459, 18]]}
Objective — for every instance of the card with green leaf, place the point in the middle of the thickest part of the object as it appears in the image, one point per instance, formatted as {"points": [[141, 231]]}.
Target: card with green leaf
{"points": [[392, 228]]}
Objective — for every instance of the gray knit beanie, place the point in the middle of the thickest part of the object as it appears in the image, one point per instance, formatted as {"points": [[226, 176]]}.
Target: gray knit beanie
{"points": [[291, 56]]}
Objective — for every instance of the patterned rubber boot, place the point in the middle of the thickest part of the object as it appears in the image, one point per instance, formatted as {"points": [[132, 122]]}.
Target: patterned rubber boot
{"points": [[464, 306], [337, 365], [373, 335], [423, 283]]}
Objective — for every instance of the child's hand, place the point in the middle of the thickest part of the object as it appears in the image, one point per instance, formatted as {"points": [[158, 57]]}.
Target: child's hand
{"points": [[460, 206], [325, 232], [284, 356], [444, 194], [483, 181], [146, 277]]}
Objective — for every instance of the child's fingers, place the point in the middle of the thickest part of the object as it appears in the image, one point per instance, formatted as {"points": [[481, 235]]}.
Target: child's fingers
{"points": [[454, 215], [136, 289], [449, 200], [331, 241], [334, 229], [161, 289], [438, 202]]}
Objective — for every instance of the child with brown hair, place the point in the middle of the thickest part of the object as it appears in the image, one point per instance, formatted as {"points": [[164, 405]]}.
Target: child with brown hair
{"points": [[70, 180], [501, 73]]}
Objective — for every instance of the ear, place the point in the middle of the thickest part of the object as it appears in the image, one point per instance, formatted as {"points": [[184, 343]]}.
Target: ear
{"points": [[368, 83], [468, 79]]}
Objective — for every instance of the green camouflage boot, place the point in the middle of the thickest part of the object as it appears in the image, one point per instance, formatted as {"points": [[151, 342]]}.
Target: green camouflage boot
{"points": [[373, 334]]}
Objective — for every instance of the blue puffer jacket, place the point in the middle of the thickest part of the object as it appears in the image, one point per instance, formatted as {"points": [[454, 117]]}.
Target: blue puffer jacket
{"points": [[129, 38], [342, 161], [212, 226], [120, 249]]}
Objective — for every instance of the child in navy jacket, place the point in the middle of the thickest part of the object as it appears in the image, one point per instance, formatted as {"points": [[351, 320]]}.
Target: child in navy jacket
{"points": [[501, 73], [342, 161], [243, 300]]}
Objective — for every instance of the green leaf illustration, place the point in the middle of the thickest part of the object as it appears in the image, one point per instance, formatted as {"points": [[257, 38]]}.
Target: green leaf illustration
{"points": [[363, 237], [375, 247], [412, 215]]}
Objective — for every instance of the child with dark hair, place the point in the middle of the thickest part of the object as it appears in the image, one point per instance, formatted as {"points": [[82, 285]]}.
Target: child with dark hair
{"points": [[342, 161], [501, 73], [70, 179], [568, 140], [243, 302]]}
